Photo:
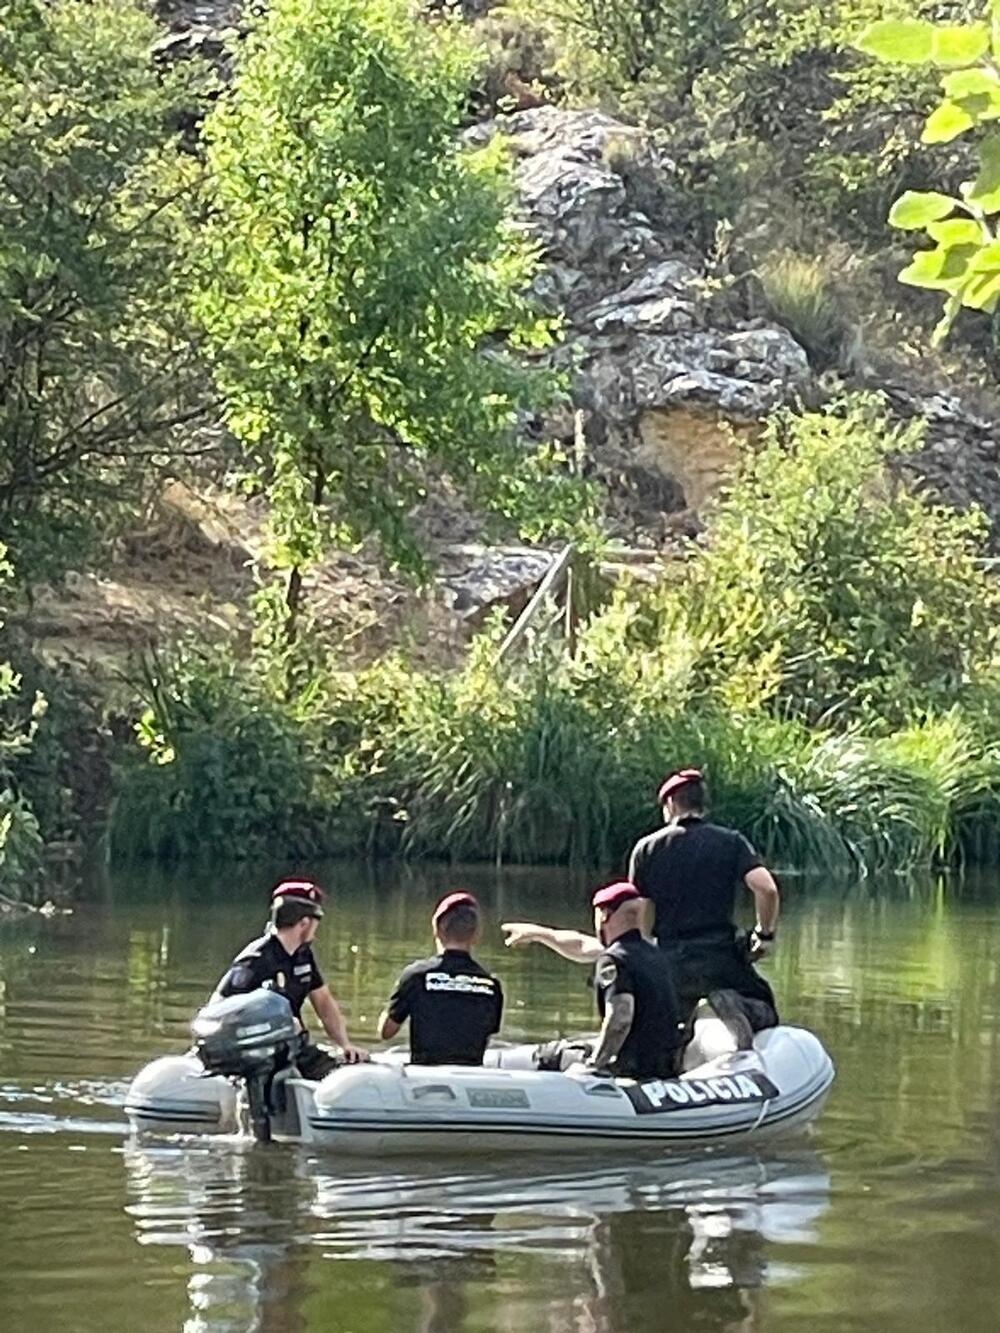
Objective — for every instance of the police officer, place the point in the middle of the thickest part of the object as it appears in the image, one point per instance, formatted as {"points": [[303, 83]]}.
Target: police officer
{"points": [[282, 960], [453, 1004], [643, 1027], [690, 870]]}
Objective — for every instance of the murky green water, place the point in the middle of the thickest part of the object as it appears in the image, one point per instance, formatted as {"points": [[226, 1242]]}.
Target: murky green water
{"points": [[887, 1218]]}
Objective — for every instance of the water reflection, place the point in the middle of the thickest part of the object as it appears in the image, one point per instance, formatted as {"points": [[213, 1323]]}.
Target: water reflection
{"points": [[238, 1212], [903, 986], [611, 1249]]}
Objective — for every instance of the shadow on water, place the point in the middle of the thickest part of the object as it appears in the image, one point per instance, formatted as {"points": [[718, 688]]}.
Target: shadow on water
{"points": [[613, 1248]]}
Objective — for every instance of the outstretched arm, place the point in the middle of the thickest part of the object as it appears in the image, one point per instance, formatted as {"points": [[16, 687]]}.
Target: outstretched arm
{"points": [[571, 944]]}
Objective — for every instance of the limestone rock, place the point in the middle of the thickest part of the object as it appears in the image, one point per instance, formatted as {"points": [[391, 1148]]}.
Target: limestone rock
{"points": [[473, 581], [653, 368]]}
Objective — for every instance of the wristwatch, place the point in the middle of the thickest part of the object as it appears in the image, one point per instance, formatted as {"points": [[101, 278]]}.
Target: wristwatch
{"points": [[765, 935]]}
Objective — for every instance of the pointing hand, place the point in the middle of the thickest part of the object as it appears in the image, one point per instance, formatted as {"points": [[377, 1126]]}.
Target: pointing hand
{"points": [[519, 932]]}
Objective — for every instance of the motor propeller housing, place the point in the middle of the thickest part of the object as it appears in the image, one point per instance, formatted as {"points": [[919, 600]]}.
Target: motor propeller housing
{"points": [[246, 1036]]}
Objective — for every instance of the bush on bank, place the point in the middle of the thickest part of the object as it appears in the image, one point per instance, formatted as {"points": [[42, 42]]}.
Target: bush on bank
{"points": [[829, 657], [526, 767]]}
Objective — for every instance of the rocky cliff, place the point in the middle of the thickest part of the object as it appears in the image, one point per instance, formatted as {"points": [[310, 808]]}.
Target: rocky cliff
{"points": [[667, 372]]}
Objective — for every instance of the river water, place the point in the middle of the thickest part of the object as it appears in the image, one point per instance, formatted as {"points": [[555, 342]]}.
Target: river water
{"points": [[886, 1217]]}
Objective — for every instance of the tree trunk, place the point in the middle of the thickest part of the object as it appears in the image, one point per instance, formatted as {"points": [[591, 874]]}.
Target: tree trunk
{"points": [[293, 592], [293, 602]]}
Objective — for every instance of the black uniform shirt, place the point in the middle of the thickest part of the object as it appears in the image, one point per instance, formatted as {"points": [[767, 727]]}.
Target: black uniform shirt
{"points": [[267, 962], [454, 1006], [690, 870], [633, 966]]}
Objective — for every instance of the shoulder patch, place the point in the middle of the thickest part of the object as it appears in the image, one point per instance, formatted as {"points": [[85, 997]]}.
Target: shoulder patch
{"points": [[606, 974]]}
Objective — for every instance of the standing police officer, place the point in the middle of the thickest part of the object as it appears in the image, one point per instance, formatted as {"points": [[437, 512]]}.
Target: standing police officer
{"points": [[690, 870], [453, 1004], [282, 960]]}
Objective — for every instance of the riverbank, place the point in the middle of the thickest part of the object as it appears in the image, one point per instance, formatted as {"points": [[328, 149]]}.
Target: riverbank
{"points": [[828, 656]]}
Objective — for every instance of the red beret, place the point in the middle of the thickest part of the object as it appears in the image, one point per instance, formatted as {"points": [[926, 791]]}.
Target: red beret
{"points": [[677, 780], [297, 890], [461, 898], [613, 895]]}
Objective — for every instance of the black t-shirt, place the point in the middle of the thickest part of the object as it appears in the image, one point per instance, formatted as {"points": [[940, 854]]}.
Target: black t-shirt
{"points": [[454, 1006], [633, 966], [267, 962], [690, 870]]}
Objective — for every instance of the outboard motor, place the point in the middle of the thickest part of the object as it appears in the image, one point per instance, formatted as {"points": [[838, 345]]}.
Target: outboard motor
{"points": [[249, 1037]]}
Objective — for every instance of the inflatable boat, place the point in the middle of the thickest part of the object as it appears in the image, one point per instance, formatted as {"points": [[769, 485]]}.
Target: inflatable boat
{"points": [[241, 1075]]}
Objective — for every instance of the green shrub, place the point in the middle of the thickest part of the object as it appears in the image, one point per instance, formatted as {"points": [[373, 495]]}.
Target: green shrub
{"points": [[227, 769], [548, 760], [20, 840], [829, 587], [801, 295], [517, 62]]}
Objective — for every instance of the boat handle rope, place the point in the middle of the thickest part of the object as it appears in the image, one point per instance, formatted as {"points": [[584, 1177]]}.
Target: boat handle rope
{"points": [[763, 1111]]}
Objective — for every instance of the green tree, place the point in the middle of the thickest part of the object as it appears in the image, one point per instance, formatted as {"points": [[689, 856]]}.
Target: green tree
{"points": [[97, 365], [366, 302]]}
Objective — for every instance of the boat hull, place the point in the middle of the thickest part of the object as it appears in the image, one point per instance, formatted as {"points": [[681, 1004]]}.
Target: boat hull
{"points": [[388, 1108]]}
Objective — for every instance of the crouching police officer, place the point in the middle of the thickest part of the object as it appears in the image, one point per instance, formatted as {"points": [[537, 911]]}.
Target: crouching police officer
{"points": [[643, 1030], [453, 1004], [282, 960], [690, 871]]}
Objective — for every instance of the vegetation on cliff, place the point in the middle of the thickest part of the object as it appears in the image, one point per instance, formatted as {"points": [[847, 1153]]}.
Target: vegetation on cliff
{"points": [[829, 656], [311, 253]]}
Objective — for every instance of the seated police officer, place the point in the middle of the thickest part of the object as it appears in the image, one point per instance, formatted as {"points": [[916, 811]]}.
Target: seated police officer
{"points": [[282, 960], [643, 1027], [454, 1005]]}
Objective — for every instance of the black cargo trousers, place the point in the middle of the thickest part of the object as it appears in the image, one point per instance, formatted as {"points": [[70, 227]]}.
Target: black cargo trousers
{"points": [[719, 960]]}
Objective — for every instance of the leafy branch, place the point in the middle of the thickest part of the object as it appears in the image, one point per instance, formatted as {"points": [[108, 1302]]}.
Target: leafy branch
{"points": [[964, 261]]}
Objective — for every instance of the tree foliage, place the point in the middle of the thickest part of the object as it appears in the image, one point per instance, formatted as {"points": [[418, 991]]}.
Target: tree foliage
{"points": [[20, 842], [366, 305], [610, 48], [96, 362], [964, 229]]}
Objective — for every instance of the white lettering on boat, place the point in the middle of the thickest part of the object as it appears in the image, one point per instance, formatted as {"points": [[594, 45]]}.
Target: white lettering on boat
{"points": [[671, 1094]]}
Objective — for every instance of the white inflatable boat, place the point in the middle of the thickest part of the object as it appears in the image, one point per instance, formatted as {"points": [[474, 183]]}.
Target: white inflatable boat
{"points": [[390, 1107]]}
